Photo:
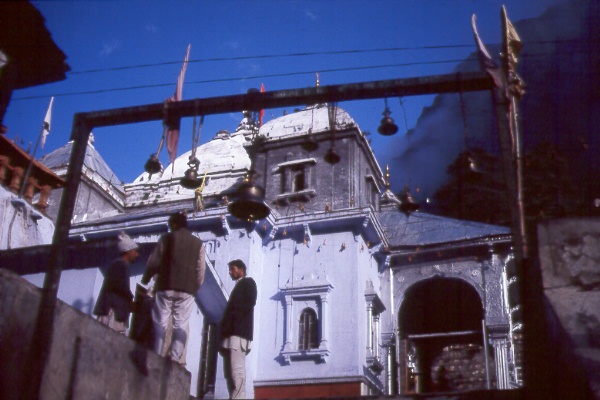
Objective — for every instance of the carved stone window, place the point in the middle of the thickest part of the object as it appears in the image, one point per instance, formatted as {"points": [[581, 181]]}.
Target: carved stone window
{"points": [[295, 181], [306, 332]]}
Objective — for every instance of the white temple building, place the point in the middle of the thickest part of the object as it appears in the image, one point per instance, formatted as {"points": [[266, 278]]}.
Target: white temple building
{"points": [[355, 297]]}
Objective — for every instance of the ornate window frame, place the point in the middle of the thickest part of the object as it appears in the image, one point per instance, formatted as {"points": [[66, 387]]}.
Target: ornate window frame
{"points": [[307, 293], [290, 170]]}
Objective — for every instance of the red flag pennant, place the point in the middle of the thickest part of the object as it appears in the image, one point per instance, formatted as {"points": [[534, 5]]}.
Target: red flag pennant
{"points": [[173, 131]]}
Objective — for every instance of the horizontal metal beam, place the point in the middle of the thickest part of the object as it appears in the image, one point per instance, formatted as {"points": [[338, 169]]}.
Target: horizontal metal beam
{"points": [[442, 334], [254, 101]]}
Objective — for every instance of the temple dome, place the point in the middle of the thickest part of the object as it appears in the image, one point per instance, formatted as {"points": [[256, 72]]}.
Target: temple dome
{"points": [[224, 153], [315, 118]]}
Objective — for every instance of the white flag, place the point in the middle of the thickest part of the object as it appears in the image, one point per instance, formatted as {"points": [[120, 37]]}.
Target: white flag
{"points": [[486, 62], [46, 128]]}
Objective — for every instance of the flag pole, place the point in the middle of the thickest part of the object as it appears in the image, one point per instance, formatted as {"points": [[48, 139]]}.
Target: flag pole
{"points": [[45, 127]]}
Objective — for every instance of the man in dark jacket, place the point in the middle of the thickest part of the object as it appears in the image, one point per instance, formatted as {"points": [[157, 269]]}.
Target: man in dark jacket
{"points": [[237, 327], [114, 302], [178, 261]]}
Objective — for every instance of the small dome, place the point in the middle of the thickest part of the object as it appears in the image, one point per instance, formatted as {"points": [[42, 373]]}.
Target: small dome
{"points": [[315, 118], [223, 153]]}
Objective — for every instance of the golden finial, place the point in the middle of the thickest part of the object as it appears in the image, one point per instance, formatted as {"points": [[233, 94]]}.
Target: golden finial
{"points": [[317, 84]]}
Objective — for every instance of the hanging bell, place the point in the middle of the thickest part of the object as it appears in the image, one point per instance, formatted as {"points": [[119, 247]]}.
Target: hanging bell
{"points": [[331, 157], [310, 144], [250, 204], [408, 205], [190, 179], [387, 127], [153, 165]]}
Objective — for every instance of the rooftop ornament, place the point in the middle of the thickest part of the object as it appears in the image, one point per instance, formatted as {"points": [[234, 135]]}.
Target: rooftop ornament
{"points": [[332, 157], [310, 144]]}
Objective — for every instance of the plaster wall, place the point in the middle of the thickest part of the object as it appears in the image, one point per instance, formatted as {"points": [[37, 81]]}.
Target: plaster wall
{"points": [[335, 258], [21, 224]]}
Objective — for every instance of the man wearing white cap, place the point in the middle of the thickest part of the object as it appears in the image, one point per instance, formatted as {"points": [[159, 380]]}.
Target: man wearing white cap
{"points": [[114, 302]]}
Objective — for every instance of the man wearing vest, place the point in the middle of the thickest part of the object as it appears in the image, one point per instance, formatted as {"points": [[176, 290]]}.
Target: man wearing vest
{"points": [[178, 263]]}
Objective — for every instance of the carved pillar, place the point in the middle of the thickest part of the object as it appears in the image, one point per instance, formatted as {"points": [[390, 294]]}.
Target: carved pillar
{"points": [[376, 336], [288, 324], [369, 329], [42, 203], [17, 177], [3, 169], [501, 357], [29, 189], [391, 361], [324, 324]]}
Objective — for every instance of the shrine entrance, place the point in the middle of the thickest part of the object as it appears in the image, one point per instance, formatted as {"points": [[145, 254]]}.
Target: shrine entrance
{"points": [[441, 345]]}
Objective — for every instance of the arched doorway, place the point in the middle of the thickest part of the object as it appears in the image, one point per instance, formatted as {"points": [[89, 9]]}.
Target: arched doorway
{"points": [[440, 337]]}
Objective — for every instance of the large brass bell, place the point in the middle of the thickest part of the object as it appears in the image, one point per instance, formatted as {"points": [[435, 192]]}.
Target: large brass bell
{"points": [[408, 205], [387, 127], [250, 204], [153, 165], [331, 157], [190, 178]]}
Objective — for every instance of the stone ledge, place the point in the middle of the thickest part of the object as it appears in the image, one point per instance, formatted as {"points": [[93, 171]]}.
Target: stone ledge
{"points": [[87, 359]]}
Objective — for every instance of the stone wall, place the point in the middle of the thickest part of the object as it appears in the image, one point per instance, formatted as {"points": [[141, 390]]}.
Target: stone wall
{"points": [[87, 360], [569, 251]]}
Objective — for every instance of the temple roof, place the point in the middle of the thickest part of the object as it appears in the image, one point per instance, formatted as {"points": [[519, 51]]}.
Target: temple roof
{"points": [[94, 166], [315, 118], [224, 153], [421, 228], [20, 158]]}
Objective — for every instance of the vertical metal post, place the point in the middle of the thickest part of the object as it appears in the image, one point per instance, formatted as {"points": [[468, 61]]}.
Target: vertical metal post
{"points": [[41, 340], [487, 357]]}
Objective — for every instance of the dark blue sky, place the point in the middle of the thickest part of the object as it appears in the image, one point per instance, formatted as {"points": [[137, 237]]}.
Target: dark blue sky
{"points": [[350, 41]]}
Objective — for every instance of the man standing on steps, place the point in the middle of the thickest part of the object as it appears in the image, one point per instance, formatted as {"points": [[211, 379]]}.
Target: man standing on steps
{"points": [[178, 260], [114, 302], [237, 327]]}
